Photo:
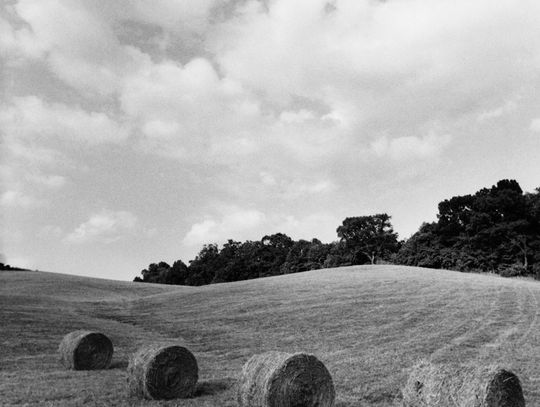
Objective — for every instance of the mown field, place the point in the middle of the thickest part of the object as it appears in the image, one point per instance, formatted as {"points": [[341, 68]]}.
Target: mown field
{"points": [[368, 324]]}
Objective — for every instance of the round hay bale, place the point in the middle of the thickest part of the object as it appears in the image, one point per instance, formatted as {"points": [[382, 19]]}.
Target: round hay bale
{"points": [[278, 379], [465, 386], [159, 372], [86, 350]]}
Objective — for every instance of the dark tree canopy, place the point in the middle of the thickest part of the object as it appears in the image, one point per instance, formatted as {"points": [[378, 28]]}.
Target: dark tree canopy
{"points": [[12, 268], [368, 237], [272, 255], [496, 229]]}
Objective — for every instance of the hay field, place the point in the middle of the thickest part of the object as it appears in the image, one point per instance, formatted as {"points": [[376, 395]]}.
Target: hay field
{"points": [[367, 324]]}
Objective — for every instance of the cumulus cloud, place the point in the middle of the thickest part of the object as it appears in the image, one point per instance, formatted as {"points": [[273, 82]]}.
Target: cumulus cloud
{"points": [[83, 42], [77, 43], [174, 15], [30, 172], [16, 43], [25, 176], [363, 59], [189, 111], [499, 111], [105, 227], [237, 224], [251, 224], [30, 154], [411, 147], [380, 66], [26, 186], [535, 125], [31, 118], [292, 187], [296, 117], [169, 90], [17, 199]]}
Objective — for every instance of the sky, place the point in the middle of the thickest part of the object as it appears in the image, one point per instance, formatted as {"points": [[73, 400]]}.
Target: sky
{"points": [[136, 131]]}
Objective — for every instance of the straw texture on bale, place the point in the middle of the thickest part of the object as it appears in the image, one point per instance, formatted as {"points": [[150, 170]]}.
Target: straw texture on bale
{"points": [[85, 350], [158, 372], [278, 379], [462, 386]]}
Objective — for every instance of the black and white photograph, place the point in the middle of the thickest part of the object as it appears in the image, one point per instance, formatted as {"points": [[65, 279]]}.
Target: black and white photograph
{"points": [[270, 203]]}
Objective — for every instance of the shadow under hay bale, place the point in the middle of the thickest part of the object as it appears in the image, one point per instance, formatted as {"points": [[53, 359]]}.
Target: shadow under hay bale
{"points": [[159, 372], [213, 387], [278, 379], [464, 386], [119, 364], [85, 350]]}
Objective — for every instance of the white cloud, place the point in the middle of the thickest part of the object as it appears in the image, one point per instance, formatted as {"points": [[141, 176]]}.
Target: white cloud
{"points": [[411, 147], [267, 178], [250, 224], [78, 44], [30, 117], [16, 43], [161, 129], [296, 117], [169, 90], [506, 108], [288, 186], [79, 40], [106, 227], [365, 60], [175, 15], [202, 233], [30, 172], [236, 224], [535, 125], [17, 199], [31, 154], [188, 111], [316, 188], [320, 225]]}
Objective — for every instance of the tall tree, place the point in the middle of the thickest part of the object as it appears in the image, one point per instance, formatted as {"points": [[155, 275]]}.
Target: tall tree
{"points": [[202, 269], [156, 272], [368, 237], [272, 253], [178, 273]]}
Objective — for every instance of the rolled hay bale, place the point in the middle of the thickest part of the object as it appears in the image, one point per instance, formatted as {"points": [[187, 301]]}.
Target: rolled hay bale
{"points": [[158, 372], [462, 386], [278, 379], [86, 350]]}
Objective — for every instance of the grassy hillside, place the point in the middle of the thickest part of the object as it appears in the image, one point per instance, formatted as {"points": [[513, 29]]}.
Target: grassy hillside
{"points": [[368, 325]]}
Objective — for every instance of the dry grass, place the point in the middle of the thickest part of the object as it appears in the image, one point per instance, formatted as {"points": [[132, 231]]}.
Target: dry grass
{"points": [[279, 379], [368, 325]]}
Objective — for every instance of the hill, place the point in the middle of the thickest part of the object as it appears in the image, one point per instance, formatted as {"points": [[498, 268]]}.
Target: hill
{"points": [[368, 324]]}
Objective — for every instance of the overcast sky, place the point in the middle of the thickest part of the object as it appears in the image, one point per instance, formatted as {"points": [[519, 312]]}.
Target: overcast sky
{"points": [[136, 131]]}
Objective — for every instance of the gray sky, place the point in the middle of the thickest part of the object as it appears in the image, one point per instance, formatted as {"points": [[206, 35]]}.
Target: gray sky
{"points": [[135, 131]]}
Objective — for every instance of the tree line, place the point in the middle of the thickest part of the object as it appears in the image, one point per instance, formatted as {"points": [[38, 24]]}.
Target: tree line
{"points": [[7, 267], [496, 230]]}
